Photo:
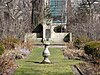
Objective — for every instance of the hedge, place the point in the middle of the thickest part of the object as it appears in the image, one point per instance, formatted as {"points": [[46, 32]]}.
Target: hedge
{"points": [[93, 48], [1, 49]]}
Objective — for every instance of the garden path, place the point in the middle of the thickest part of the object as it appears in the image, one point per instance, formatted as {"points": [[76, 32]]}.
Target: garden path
{"points": [[31, 65]]}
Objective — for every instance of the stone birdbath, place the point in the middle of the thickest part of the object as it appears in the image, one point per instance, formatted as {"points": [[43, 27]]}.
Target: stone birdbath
{"points": [[46, 53]]}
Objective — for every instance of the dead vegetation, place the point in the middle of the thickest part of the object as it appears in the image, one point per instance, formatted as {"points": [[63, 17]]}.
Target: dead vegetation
{"points": [[13, 49]]}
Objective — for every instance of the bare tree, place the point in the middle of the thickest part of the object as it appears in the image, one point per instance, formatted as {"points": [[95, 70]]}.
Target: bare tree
{"points": [[69, 16], [86, 20], [16, 17]]}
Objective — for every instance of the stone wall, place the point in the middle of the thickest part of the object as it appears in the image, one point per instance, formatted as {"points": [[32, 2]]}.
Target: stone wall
{"points": [[56, 38]]}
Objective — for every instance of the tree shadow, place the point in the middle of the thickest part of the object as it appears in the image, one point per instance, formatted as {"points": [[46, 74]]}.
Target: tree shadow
{"points": [[39, 62], [34, 62]]}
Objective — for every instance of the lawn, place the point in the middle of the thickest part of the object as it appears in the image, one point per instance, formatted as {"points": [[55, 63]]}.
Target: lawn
{"points": [[30, 65]]}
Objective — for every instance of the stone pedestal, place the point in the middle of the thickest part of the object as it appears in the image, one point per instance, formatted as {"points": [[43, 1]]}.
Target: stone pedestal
{"points": [[46, 54]]}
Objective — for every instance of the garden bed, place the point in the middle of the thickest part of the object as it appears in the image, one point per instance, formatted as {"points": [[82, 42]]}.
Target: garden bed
{"points": [[88, 69]]}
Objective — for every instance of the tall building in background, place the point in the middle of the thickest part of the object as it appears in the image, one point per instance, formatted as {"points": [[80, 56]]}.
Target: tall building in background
{"points": [[57, 8]]}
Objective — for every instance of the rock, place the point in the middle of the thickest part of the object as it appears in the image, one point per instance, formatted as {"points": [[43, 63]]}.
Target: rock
{"points": [[66, 57], [19, 56], [76, 58], [24, 51]]}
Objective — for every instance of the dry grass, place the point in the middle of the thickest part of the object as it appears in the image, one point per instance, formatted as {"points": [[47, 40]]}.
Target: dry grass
{"points": [[7, 64]]}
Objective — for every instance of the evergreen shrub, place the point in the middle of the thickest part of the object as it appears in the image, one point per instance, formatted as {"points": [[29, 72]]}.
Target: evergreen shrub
{"points": [[1, 49], [93, 48], [80, 42]]}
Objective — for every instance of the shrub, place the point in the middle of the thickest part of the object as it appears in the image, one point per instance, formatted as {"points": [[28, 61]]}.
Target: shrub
{"points": [[10, 42], [77, 43], [73, 53], [80, 42], [93, 48], [7, 64], [1, 49], [67, 38], [28, 45]]}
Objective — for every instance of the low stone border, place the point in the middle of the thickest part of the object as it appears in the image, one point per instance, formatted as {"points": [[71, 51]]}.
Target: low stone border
{"points": [[86, 69], [77, 70]]}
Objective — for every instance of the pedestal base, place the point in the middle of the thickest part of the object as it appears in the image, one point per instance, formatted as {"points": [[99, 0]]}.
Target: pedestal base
{"points": [[46, 55], [46, 61]]}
